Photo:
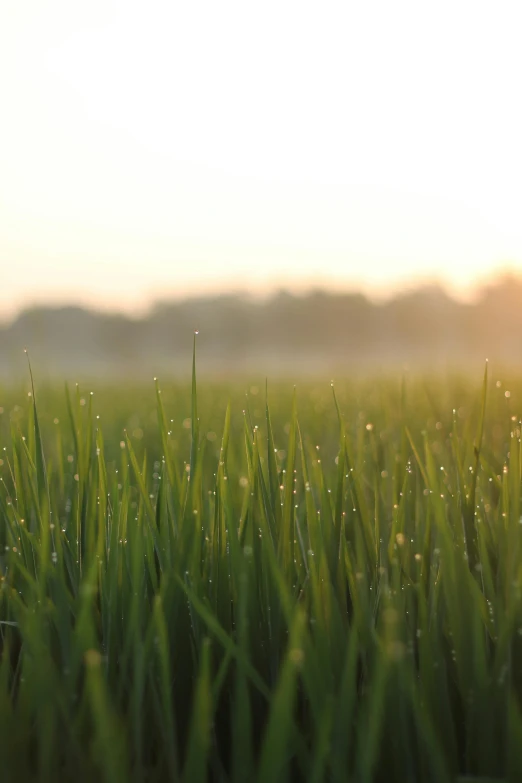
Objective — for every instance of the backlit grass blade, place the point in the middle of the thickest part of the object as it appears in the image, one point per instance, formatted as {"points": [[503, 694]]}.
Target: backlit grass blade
{"points": [[287, 533], [109, 743], [276, 751], [469, 513], [195, 769], [273, 472]]}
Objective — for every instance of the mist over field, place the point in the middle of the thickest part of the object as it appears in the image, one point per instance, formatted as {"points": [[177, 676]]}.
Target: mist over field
{"points": [[282, 335]]}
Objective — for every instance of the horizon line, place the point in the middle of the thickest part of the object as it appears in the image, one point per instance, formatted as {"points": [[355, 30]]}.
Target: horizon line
{"points": [[134, 310]]}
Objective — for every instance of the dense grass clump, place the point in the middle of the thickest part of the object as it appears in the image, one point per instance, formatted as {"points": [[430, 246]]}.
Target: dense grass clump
{"points": [[321, 585]]}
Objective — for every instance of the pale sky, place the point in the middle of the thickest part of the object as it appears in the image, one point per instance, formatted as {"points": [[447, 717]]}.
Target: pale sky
{"points": [[155, 149]]}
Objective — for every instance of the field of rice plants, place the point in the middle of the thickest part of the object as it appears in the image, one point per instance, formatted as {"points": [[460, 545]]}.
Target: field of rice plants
{"points": [[238, 582]]}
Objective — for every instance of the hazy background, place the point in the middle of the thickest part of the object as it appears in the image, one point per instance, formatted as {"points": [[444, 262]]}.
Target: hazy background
{"points": [[162, 151]]}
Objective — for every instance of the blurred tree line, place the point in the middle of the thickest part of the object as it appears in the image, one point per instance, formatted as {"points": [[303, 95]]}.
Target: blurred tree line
{"points": [[285, 333]]}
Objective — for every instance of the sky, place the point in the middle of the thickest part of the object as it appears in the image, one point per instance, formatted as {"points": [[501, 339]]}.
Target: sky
{"points": [[163, 149]]}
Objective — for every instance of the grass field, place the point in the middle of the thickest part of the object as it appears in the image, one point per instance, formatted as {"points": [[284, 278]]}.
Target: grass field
{"points": [[197, 585]]}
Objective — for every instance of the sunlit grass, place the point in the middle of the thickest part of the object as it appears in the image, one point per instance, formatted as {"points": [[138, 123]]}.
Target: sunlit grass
{"points": [[319, 584]]}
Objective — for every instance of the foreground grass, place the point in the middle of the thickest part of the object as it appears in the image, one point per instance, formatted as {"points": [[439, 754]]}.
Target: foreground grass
{"points": [[260, 595]]}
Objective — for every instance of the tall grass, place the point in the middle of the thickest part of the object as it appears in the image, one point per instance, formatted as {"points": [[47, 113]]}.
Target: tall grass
{"points": [[332, 595]]}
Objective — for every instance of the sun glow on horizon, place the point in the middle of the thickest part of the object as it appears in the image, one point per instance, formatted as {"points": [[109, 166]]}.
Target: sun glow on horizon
{"points": [[174, 148]]}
